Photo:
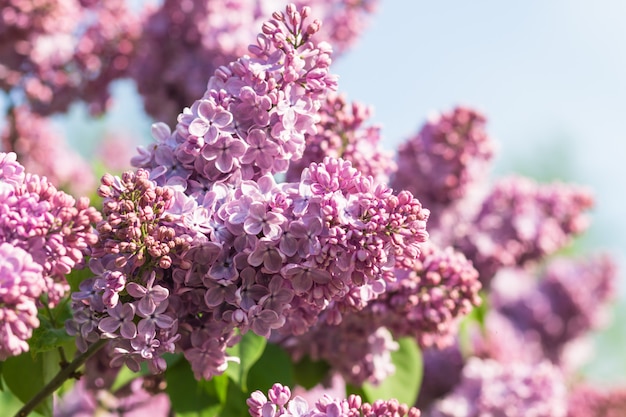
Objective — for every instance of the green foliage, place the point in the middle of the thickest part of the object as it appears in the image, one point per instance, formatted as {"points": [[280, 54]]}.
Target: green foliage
{"points": [[193, 398], [248, 350], [405, 382], [273, 366], [309, 373], [25, 375], [51, 332]]}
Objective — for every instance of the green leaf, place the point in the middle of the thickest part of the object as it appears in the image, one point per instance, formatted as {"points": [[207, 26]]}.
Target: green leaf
{"points": [[25, 375], [309, 373], [405, 382], [193, 398], [273, 366], [51, 332], [248, 350], [235, 403]]}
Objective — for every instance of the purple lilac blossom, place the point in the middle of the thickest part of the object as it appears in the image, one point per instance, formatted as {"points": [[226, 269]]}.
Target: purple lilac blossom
{"points": [[425, 303], [445, 161], [442, 368], [342, 133], [52, 226], [182, 44], [279, 402], [569, 298], [489, 388], [21, 284], [228, 247], [591, 401], [521, 221]]}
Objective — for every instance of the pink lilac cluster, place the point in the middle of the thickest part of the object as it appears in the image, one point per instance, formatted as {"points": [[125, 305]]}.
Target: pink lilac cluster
{"points": [[489, 388], [521, 221], [569, 299], [45, 233], [44, 151], [21, 284], [135, 249], [342, 133], [279, 402], [591, 401], [425, 303], [55, 52], [261, 256], [428, 300], [183, 43], [447, 159]]}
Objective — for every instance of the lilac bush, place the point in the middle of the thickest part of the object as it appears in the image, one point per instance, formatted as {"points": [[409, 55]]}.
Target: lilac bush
{"points": [[265, 241]]}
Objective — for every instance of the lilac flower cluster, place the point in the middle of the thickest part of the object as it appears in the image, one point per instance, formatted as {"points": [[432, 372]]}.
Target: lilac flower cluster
{"points": [[21, 284], [250, 254], [425, 303], [54, 52], [43, 151], [569, 300], [44, 234], [447, 159], [591, 401], [182, 44], [342, 133], [515, 222], [135, 248], [279, 403], [489, 388], [521, 221]]}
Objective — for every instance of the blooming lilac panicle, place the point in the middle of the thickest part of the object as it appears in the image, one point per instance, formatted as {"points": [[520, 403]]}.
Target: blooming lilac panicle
{"points": [[427, 301], [342, 133], [21, 284], [521, 221], [53, 227], [258, 106], [589, 401], [513, 390], [446, 159], [127, 300], [142, 397], [569, 299], [280, 403]]}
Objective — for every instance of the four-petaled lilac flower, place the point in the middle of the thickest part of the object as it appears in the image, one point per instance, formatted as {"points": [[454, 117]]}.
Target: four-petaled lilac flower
{"points": [[120, 317], [149, 296], [268, 255], [210, 121], [149, 322], [260, 219], [225, 151], [261, 150]]}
